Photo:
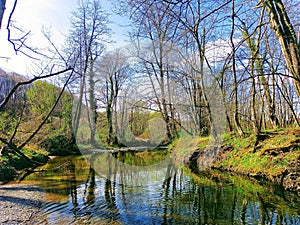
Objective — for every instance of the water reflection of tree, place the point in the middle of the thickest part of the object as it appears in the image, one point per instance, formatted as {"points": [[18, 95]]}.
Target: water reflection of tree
{"points": [[90, 184], [219, 203], [73, 187], [179, 199], [90, 187], [209, 204], [109, 188], [170, 175]]}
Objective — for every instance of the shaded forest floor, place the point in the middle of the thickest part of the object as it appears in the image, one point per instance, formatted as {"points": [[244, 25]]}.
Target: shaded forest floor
{"points": [[273, 156]]}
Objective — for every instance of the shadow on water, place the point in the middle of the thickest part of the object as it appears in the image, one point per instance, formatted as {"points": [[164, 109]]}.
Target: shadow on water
{"points": [[109, 193]]}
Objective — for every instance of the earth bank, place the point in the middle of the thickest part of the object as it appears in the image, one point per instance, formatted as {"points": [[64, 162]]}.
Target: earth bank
{"points": [[273, 156]]}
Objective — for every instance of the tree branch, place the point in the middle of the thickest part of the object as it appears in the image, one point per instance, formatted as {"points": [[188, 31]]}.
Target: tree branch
{"points": [[17, 150], [13, 90], [47, 117]]}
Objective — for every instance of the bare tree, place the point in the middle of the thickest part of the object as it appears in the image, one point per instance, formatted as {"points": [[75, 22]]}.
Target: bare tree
{"points": [[235, 83], [198, 20], [158, 29], [250, 75], [89, 31], [285, 32], [112, 73], [19, 84], [19, 44]]}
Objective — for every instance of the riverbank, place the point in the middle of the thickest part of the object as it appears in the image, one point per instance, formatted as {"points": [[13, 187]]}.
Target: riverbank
{"points": [[13, 165], [273, 156], [20, 203]]}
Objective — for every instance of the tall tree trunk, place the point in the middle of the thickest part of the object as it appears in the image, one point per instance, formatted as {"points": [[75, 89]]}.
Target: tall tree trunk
{"points": [[283, 90], [254, 50], [92, 102], [235, 84], [286, 35], [171, 107], [164, 101], [109, 108], [270, 98], [253, 100], [221, 75], [201, 50], [2, 9], [164, 106], [77, 113], [269, 101]]}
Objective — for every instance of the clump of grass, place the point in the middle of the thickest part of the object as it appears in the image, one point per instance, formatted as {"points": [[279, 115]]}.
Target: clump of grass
{"points": [[268, 159], [239, 143]]}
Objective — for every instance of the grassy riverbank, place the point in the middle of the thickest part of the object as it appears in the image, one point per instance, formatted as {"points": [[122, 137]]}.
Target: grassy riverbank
{"points": [[274, 156]]}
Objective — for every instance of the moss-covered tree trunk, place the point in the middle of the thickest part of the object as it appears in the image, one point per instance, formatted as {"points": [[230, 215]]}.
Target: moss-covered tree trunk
{"points": [[286, 35], [92, 102]]}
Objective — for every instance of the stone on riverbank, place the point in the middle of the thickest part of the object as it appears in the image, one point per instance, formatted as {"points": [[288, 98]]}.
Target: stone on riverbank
{"points": [[20, 203]]}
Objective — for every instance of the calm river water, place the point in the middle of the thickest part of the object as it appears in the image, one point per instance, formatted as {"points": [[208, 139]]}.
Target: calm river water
{"points": [[149, 189]]}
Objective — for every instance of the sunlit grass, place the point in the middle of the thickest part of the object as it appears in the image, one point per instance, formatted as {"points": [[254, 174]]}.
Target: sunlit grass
{"points": [[271, 156]]}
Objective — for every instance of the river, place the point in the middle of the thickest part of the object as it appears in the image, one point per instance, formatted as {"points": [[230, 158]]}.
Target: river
{"points": [[148, 188]]}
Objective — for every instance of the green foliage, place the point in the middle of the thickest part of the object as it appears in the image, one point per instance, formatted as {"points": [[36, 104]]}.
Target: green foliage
{"points": [[42, 97], [7, 122], [59, 145], [36, 155], [151, 122], [226, 137], [141, 127], [186, 145], [102, 127], [138, 122], [11, 163], [7, 172], [239, 143], [66, 109], [155, 114]]}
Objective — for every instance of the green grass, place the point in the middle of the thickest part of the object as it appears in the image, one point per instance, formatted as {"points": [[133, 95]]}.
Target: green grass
{"points": [[268, 159]]}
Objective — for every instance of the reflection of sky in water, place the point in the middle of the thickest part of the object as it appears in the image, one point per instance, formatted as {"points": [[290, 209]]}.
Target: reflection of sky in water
{"points": [[127, 174], [180, 199]]}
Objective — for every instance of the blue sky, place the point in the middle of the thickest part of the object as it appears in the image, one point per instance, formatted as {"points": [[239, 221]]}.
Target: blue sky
{"points": [[32, 15]]}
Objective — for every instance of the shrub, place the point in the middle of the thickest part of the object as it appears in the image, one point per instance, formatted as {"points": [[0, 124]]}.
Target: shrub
{"points": [[59, 145], [6, 172]]}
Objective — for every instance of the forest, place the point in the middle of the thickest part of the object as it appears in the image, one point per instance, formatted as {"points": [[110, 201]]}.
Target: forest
{"points": [[209, 70]]}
